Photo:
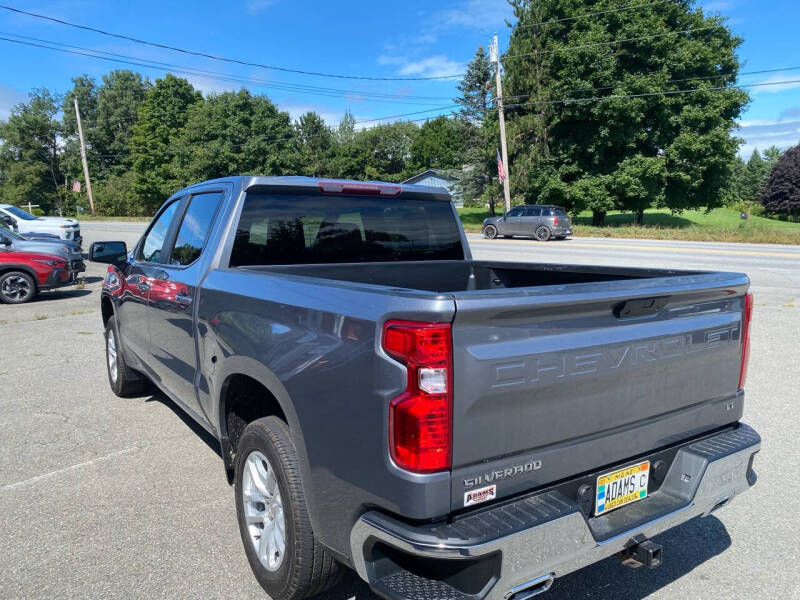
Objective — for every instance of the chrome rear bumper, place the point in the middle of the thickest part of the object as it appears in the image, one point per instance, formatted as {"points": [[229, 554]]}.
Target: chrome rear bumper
{"points": [[540, 537]]}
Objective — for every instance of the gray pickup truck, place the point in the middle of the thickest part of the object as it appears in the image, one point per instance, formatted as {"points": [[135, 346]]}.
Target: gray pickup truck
{"points": [[447, 427]]}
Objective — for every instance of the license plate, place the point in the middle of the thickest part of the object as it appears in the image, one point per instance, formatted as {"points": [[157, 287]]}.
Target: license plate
{"points": [[618, 488]]}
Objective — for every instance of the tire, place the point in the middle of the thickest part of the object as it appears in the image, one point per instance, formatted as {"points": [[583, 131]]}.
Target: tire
{"points": [[542, 233], [123, 380], [266, 466], [17, 287], [490, 232]]}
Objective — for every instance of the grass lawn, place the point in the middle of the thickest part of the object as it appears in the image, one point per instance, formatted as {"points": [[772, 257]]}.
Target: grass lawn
{"points": [[719, 225]]}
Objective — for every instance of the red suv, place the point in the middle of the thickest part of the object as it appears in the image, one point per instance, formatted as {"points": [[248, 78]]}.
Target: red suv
{"points": [[24, 274]]}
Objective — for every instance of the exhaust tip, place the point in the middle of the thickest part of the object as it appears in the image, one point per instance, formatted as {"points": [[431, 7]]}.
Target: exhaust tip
{"points": [[531, 588]]}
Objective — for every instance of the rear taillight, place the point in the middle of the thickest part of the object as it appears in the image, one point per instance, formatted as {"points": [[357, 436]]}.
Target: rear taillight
{"points": [[555, 222], [420, 419], [747, 316]]}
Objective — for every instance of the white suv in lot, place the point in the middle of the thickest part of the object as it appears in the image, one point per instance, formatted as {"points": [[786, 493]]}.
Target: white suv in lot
{"points": [[23, 222]]}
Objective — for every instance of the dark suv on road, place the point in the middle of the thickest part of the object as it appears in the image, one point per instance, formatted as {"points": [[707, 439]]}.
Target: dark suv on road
{"points": [[541, 222]]}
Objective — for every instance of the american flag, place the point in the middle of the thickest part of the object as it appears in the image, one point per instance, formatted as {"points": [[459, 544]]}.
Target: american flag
{"points": [[76, 186], [501, 173]]}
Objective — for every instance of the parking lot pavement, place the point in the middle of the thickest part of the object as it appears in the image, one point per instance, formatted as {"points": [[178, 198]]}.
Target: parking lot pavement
{"points": [[108, 498]]}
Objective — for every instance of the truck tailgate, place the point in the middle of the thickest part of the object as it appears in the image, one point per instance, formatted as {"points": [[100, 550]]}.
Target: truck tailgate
{"points": [[551, 382]]}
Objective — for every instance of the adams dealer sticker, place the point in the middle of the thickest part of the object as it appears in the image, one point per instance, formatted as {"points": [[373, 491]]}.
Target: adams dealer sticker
{"points": [[480, 495]]}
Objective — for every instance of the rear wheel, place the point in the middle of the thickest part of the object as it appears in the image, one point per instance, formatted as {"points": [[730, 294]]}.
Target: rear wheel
{"points": [[542, 233], [124, 381], [17, 287], [490, 232], [286, 558]]}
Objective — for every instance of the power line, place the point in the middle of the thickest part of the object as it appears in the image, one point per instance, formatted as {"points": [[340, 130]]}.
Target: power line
{"points": [[612, 42], [649, 94], [218, 57], [594, 14], [684, 79], [162, 66]]}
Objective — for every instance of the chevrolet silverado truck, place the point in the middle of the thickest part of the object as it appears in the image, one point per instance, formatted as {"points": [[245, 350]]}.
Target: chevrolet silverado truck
{"points": [[446, 427]]}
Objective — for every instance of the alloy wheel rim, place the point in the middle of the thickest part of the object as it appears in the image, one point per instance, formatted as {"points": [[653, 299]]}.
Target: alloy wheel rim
{"points": [[541, 233], [16, 287], [491, 232], [263, 511], [111, 353]]}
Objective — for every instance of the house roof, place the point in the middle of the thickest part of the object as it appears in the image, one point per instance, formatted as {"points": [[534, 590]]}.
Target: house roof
{"points": [[444, 174]]}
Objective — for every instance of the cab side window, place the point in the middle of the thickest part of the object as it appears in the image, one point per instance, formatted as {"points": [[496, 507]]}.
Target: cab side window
{"points": [[533, 212], [153, 244], [515, 212], [195, 227]]}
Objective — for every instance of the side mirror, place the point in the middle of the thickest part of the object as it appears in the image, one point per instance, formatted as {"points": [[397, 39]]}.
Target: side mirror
{"points": [[9, 221], [4, 241], [110, 253]]}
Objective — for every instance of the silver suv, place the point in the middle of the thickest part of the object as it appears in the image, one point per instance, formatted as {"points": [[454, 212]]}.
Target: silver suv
{"points": [[541, 222]]}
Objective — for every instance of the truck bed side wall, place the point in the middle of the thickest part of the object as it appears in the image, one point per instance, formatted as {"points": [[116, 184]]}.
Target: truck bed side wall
{"points": [[317, 348]]}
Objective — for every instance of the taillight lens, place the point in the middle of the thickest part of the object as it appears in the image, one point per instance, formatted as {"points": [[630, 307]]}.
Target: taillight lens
{"points": [[555, 222], [747, 316], [420, 419]]}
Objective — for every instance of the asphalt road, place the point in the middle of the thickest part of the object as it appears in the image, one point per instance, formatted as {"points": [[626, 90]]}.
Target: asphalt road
{"points": [[108, 498]]}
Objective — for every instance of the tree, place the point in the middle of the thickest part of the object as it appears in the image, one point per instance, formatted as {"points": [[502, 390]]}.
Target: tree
{"points": [[477, 156], [474, 88], [118, 101], [235, 133], [85, 90], [314, 145], [583, 106], [753, 178], [383, 152], [781, 194], [161, 119], [440, 144], [30, 169]]}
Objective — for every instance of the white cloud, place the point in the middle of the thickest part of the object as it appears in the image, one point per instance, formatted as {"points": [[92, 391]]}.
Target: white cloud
{"points": [[773, 85], [254, 7], [764, 133], [478, 14], [433, 66]]}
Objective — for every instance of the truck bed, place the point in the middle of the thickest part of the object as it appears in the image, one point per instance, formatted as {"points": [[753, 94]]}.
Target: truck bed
{"points": [[465, 275]]}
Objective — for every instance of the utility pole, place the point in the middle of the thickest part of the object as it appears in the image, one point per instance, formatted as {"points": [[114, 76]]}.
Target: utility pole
{"points": [[494, 54], [83, 158]]}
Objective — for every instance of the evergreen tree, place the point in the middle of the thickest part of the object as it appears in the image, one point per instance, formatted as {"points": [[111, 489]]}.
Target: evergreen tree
{"points": [[474, 88]]}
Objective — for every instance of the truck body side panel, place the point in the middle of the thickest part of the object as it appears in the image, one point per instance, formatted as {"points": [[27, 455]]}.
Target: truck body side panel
{"points": [[321, 342]]}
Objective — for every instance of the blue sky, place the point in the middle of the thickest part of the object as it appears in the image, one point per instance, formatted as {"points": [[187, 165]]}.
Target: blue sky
{"points": [[383, 39]]}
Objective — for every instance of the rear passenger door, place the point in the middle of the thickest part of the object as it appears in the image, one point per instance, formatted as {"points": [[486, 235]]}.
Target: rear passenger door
{"points": [[173, 297]]}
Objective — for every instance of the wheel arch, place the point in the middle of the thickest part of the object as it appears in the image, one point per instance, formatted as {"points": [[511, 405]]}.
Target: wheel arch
{"points": [[248, 390], [8, 267]]}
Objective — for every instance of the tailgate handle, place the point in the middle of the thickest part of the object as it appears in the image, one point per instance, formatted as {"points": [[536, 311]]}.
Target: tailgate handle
{"points": [[640, 307]]}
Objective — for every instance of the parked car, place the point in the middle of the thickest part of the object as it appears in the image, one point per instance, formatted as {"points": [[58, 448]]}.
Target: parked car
{"points": [[447, 427], [23, 222], [69, 250], [23, 274], [541, 222]]}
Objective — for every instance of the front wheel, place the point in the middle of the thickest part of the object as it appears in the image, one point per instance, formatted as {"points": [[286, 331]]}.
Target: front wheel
{"points": [[490, 232], [542, 233], [286, 558], [17, 287]]}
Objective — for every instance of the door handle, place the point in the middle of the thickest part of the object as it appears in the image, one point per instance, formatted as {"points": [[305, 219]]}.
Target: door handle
{"points": [[183, 299]]}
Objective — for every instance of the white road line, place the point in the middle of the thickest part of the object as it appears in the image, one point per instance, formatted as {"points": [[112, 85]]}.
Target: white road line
{"points": [[88, 463]]}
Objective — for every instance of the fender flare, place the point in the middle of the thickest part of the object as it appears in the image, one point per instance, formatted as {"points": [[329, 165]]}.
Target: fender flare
{"points": [[5, 267], [244, 365]]}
